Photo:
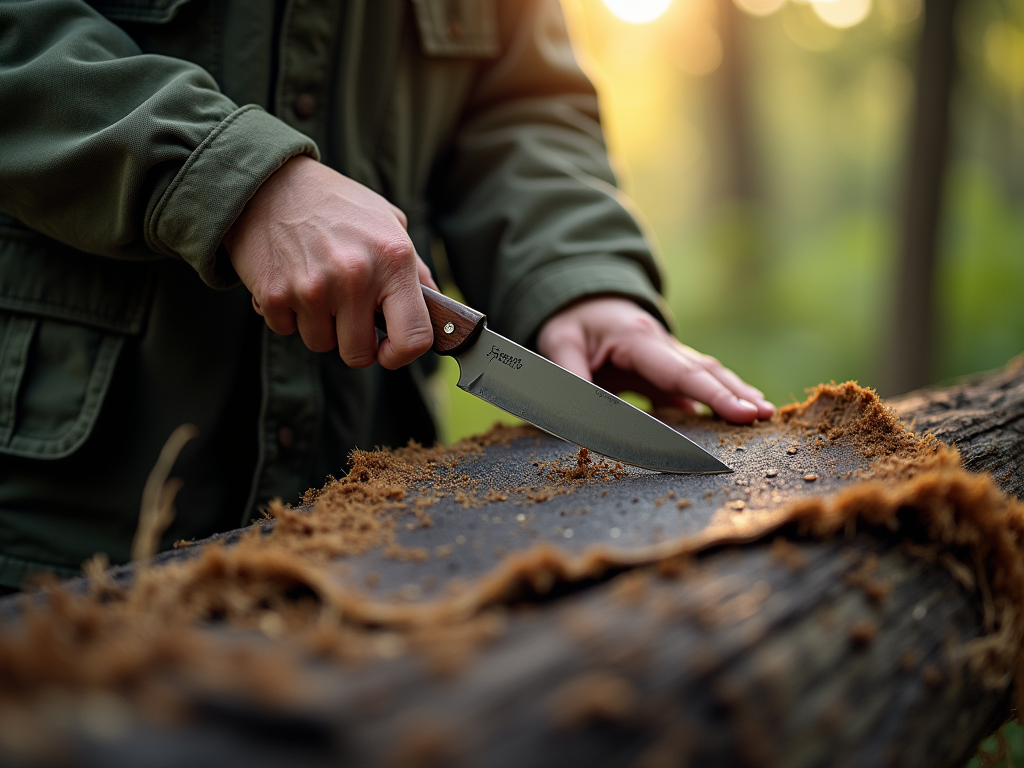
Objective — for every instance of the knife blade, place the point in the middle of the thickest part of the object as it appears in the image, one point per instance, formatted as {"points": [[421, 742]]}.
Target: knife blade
{"points": [[533, 388]]}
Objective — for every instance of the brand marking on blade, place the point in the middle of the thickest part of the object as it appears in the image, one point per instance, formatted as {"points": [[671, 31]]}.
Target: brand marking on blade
{"points": [[515, 363]]}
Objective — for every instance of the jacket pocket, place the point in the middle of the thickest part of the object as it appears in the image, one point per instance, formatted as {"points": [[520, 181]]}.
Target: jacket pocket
{"points": [[64, 318], [466, 29]]}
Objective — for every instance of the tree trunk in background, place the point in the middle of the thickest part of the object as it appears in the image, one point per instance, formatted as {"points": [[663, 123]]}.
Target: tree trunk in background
{"points": [[908, 364], [740, 178], [741, 236]]}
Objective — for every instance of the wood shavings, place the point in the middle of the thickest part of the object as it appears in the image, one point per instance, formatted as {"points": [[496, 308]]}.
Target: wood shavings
{"points": [[581, 468]]}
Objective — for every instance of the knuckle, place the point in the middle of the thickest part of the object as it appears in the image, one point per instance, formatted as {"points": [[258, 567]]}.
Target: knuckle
{"points": [[400, 215], [414, 343], [396, 252], [643, 323], [275, 299], [355, 273], [558, 337], [280, 328], [320, 343], [362, 358], [690, 367], [313, 291], [711, 363]]}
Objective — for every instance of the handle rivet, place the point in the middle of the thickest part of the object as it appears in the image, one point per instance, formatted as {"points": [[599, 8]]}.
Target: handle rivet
{"points": [[449, 327]]}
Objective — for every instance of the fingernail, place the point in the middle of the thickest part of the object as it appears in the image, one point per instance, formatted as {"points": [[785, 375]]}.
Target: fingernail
{"points": [[746, 403]]}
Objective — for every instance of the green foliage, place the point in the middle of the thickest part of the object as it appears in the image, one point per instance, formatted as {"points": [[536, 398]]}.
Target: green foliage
{"points": [[993, 751]]}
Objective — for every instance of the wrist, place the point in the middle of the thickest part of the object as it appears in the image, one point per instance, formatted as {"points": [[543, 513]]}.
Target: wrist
{"points": [[259, 208]]}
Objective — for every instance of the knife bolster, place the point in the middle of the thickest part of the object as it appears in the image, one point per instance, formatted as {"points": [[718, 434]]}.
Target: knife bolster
{"points": [[456, 326]]}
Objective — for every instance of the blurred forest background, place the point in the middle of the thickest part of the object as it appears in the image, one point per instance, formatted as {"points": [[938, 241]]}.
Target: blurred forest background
{"points": [[768, 145]]}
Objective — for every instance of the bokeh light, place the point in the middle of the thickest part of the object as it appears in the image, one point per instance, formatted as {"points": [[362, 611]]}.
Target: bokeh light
{"points": [[805, 28], [896, 12], [842, 13], [638, 11], [1004, 54], [760, 7], [699, 51]]}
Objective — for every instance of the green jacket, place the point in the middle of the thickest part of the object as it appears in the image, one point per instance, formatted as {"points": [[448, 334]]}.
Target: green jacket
{"points": [[125, 156]]}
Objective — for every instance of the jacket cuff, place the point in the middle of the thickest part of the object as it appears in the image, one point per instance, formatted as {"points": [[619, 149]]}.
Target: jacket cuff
{"points": [[210, 191], [560, 283]]}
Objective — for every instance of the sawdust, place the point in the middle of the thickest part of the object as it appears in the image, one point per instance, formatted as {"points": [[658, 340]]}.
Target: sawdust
{"points": [[278, 580], [585, 468]]}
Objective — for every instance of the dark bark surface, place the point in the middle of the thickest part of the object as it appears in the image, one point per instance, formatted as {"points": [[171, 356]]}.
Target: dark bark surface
{"points": [[983, 416], [751, 655]]}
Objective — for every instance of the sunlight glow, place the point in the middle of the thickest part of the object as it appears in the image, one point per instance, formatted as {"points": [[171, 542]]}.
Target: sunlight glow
{"points": [[760, 7], [842, 13], [638, 11], [699, 51], [1004, 52]]}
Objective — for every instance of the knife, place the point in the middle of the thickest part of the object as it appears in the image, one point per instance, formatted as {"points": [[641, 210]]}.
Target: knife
{"points": [[537, 390]]}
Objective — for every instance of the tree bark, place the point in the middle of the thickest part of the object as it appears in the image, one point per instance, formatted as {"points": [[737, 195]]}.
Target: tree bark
{"points": [[983, 416]]}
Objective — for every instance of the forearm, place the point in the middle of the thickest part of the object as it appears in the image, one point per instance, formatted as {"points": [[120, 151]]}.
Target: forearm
{"points": [[118, 153]]}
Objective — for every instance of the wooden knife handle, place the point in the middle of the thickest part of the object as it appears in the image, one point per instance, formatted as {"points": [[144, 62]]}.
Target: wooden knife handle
{"points": [[455, 325]]}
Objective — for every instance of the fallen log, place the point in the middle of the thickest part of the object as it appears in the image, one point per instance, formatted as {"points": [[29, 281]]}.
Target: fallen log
{"points": [[983, 416], [818, 607]]}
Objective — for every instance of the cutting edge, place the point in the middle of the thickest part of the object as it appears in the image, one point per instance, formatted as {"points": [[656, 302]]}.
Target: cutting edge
{"points": [[507, 388]]}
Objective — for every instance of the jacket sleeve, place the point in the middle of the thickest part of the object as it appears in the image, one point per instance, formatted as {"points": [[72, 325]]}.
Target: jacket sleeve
{"points": [[119, 153], [529, 209]]}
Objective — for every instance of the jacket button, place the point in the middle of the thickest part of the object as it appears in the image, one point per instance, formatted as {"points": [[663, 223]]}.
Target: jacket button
{"points": [[285, 437], [305, 105]]}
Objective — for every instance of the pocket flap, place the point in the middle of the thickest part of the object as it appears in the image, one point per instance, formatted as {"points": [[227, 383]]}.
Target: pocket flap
{"points": [[458, 28], [64, 317], [43, 278], [145, 11]]}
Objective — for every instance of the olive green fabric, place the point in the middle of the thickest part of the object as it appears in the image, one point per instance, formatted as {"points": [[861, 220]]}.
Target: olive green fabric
{"points": [[133, 132]]}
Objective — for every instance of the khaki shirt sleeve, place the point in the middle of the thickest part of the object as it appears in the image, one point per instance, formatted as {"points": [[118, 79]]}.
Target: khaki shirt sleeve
{"points": [[529, 212], [123, 154]]}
